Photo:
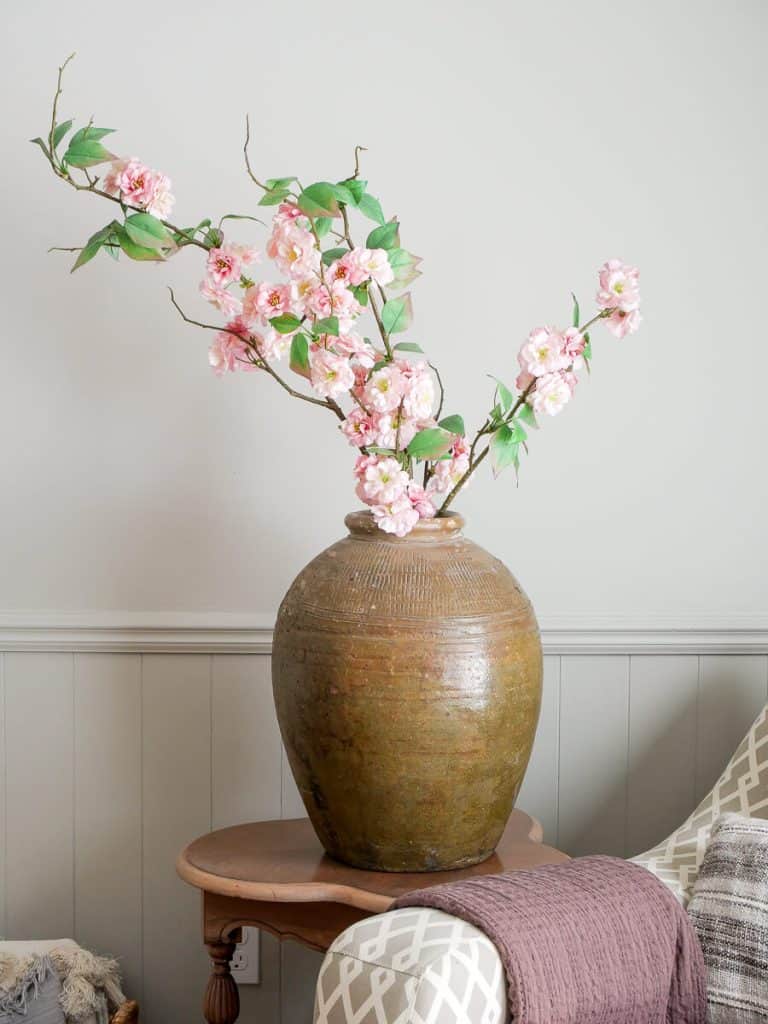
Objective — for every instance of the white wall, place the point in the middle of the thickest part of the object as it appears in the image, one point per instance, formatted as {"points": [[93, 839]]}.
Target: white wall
{"points": [[520, 144]]}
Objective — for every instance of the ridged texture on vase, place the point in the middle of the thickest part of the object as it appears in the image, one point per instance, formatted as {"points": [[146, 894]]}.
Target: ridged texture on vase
{"points": [[407, 681]]}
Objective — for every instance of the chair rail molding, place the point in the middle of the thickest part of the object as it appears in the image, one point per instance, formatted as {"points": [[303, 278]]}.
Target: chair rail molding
{"points": [[241, 633]]}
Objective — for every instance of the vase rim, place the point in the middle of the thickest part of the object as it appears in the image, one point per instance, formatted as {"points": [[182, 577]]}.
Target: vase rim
{"points": [[362, 524]]}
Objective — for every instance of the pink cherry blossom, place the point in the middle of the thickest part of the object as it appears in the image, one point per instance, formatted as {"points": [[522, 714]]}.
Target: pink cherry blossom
{"points": [[162, 200], [230, 351], [293, 248], [384, 481], [330, 374], [273, 345], [362, 462], [345, 306], [385, 390], [552, 393], [543, 352], [224, 300], [524, 380], [621, 323], [140, 186], [395, 429], [398, 517], [419, 396], [265, 300], [223, 265], [362, 265], [420, 500], [355, 347], [359, 428], [619, 286], [574, 343]]}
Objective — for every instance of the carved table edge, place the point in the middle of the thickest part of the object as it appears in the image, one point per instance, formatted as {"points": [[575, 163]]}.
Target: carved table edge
{"points": [[295, 892]]}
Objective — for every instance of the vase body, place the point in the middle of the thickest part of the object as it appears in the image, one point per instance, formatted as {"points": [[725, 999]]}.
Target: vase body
{"points": [[407, 681]]}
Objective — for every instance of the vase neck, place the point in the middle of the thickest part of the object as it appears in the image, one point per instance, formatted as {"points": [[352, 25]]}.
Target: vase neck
{"points": [[362, 526]]}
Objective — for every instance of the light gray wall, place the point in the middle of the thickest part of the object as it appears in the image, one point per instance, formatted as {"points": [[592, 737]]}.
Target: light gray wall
{"points": [[111, 763], [521, 144]]}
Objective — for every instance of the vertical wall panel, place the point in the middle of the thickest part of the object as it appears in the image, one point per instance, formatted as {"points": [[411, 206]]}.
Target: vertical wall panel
{"points": [[662, 746], [3, 828], [176, 787], [300, 967], [292, 804], [539, 793], [732, 691], [39, 813], [108, 809], [246, 741], [594, 709]]}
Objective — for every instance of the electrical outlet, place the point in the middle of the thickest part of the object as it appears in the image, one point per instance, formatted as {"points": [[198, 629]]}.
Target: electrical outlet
{"points": [[246, 960]]}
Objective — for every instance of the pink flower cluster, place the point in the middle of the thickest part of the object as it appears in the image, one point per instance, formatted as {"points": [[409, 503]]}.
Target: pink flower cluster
{"points": [[396, 501], [548, 361], [139, 186], [393, 403], [619, 292]]}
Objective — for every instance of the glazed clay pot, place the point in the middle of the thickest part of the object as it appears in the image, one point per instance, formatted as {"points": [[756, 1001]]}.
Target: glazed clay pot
{"points": [[407, 680]]}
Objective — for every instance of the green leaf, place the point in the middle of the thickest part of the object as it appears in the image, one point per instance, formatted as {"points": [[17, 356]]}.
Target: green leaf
{"points": [[527, 415], [328, 325], [518, 431], [587, 353], [407, 346], [39, 142], [504, 449], [385, 237], [238, 216], [370, 207], [397, 314], [92, 246], [323, 226], [319, 200], [273, 183], [405, 266], [89, 134], [331, 255], [343, 194], [131, 249], [184, 236], [506, 398], [376, 450], [87, 153], [360, 292], [453, 423], [576, 313], [274, 196], [286, 323], [299, 360], [148, 231], [60, 131], [356, 187], [430, 443], [213, 238]]}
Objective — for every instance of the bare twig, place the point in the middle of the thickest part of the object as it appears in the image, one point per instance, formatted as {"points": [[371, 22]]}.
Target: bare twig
{"points": [[358, 151], [248, 167]]}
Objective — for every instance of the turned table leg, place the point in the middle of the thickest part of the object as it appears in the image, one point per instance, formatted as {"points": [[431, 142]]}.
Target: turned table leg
{"points": [[221, 1003]]}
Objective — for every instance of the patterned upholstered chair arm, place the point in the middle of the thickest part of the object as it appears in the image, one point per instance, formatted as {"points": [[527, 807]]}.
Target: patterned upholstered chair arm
{"points": [[411, 966]]}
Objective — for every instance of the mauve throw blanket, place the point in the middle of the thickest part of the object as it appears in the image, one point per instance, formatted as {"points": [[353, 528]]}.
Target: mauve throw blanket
{"points": [[595, 940]]}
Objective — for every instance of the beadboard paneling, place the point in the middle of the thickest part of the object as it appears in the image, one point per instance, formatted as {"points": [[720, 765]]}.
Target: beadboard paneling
{"points": [[110, 763]]}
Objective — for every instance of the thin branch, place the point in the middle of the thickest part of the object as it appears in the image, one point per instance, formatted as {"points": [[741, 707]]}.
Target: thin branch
{"points": [[358, 151], [248, 167], [56, 103], [326, 403], [371, 299]]}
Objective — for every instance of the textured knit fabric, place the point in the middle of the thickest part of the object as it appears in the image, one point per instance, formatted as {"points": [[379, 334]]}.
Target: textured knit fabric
{"points": [[729, 910], [596, 939], [34, 997]]}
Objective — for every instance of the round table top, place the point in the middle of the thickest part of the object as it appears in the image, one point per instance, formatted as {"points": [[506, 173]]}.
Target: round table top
{"points": [[283, 861]]}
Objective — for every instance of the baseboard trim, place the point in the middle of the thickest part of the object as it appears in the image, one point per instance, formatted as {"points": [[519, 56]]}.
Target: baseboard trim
{"points": [[229, 633]]}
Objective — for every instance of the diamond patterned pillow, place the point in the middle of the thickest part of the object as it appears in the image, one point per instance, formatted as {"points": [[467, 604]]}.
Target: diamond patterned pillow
{"points": [[729, 910], [742, 789]]}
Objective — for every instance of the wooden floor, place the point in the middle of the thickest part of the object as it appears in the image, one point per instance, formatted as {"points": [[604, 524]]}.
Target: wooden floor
{"points": [[109, 763]]}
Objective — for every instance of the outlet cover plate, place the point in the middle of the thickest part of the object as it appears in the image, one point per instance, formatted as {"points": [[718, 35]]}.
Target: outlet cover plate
{"points": [[246, 960]]}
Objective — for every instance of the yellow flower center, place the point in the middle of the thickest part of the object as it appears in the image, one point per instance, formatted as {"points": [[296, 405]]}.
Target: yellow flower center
{"points": [[274, 299], [618, 287]]}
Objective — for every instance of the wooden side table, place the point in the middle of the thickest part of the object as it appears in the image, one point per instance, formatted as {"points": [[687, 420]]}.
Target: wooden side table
{"points": [[275, 875]]}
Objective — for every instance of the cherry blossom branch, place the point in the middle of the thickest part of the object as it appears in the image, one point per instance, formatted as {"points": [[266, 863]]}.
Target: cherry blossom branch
{"points": [[371, 299], [358, 151], [325, 403]]}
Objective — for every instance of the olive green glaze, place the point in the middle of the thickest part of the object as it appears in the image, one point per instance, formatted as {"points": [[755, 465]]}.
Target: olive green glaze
{"points": [[407, 680]]}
